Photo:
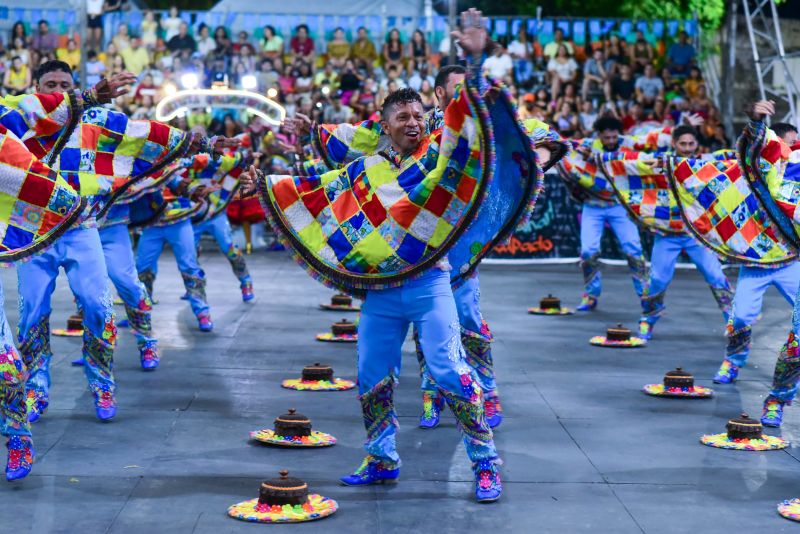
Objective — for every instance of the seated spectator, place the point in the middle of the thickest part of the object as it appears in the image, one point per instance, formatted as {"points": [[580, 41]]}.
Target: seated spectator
{"points": [[419, 53], [633, 117], [71, 55], [393, 52], [117, 66], [18, 31], [337, 112], [247, 56], [677, 109], [161, 54], [427, 95], [43, 41], [239, 71], [416, 80], [171, 24], [338, 49], [223, 40], [521, 52], [570, 97], [136, 56], [17, 78], [363, 52], [701, 105], [182, 41], [242, 40], [327, 77], [444, 49], [350, 81], [147, 88], [649, 87], [205, 43], [304, 82], [95, 69], [566, 121], [272, 44], [19, 48], [623, 87], [587, 118], [562, 69], [543, 104], [363, 97], [393, 76], [527, 107], [144, 109], [641, 54], [121, 39], [301, 47], [681, 56], [614, 51], [551, 49], [499, 65], [286, 80], [657, 114], [597, 75], [267, 76], [110, 54], [149, 30], [691, 85]]}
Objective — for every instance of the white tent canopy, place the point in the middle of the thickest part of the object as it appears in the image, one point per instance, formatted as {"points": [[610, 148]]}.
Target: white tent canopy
{"points": [[389, 8]]}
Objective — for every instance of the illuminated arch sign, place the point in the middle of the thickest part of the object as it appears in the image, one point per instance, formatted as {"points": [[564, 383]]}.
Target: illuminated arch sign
{"points": [[179, 103]]}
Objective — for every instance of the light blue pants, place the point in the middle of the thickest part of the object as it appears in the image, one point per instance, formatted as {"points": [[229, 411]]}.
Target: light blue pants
{"points": [[475, 336], [427, 303], [666, 250], [220, 229], [750, 288], [80, 252], [593, 221], [118, 251], [181, 239], [13, 373], [787, 367]]}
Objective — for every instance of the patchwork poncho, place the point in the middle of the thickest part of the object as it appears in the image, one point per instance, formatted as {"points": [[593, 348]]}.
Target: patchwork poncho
{"points": [[380, 220], [222, 172]]}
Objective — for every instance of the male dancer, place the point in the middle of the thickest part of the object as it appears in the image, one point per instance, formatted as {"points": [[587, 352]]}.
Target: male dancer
{"points": [[56, 76]]}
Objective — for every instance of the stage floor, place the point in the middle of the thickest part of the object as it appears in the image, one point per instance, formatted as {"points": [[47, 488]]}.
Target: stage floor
{"points": [[584, 449]]}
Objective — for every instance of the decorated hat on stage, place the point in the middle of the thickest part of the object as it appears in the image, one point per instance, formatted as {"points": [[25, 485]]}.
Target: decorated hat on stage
{"points": [[744, 434], [341, 332], [340, 302], [318, 377], [790, 509], [618, 337], [74, 327], [284, 500], [293, 430], [550, 305], [678, 384]]}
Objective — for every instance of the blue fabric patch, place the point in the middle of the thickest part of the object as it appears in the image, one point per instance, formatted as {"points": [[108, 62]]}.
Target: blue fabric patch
{"points": [[411, 249]]}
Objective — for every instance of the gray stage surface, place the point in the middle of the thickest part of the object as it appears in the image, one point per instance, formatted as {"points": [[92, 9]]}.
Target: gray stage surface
{"points": [[584, 449]]}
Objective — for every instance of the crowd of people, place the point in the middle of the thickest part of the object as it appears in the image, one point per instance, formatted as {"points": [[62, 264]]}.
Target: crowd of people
{"points": [[346, 76]]}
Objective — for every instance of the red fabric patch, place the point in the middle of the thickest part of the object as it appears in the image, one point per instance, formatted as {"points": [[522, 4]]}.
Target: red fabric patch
{"points": [[315, 202], [726, 228], [404, 212], [466, 188], [285, 194], [438, 201], [50, 221], [159, 133], [374, 211], [703, 224], [36, 190], [104, 163]]}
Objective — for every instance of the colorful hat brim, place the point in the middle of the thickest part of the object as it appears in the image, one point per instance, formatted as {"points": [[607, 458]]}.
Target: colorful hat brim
{"points": [[697, 392], [721, 441], [632, 343], [550, 311], [334, 307], [328, 337], [317, 507], [790, 509], [66, 332], [316, 439], [299, 384]]}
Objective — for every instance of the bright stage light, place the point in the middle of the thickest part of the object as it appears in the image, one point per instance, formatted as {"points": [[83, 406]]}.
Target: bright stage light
{"points": [[326, 90], [272, 92], [169, 89], [190, 80], [249, 82]]}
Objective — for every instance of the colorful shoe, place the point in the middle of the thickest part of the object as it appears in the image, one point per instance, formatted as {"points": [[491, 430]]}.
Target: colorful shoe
{"points": [[149, 357], [36, 401], [588, 303], [371, 471], [79, 362], [773, 412], [247, 292], [20, 457], [432, 405], [488, 487], [104, 404], [727, 373], [204, 322], [645, 330], [494, 412]]}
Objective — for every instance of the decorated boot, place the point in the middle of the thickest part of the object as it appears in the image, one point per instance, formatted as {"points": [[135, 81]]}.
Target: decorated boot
{"points": [[727, 373], [104, 403], [372, 471], [488, 487], [432, 404], [773, 412], [588, 303], [204, 322], [20, 457], [247, 291], [494, 412], [148, 353]]}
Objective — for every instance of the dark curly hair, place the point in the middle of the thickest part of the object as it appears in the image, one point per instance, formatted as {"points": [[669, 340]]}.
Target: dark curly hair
{"points": [[608, 123], [401, 96]]}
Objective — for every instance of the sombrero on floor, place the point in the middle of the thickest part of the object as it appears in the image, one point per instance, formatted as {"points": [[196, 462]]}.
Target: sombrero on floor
{"points": [[790, 509], [340, 302], [744, 434], [284, 500], [678, 384], [550, 305], [74, 327], [342, 332], [293, 430], [318, 377], [618, 337]]}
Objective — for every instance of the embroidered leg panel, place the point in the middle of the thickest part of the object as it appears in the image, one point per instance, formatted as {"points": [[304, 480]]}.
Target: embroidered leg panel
{"points": [[787, 371], [13, 408], [380, 421], [590, 265], [98, 354], [148, 278], [724, 298], [738, 348], [639, 274]]}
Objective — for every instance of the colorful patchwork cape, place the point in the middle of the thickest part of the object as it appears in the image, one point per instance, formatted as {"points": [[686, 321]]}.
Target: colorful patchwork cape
{"points": [[223, 172], [380, 220], [720, 208], [774, 174]]}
